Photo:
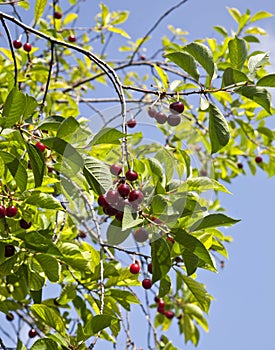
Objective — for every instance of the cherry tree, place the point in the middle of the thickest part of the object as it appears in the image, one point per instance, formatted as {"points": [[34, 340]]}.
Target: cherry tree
{"points": [[108, 209]]}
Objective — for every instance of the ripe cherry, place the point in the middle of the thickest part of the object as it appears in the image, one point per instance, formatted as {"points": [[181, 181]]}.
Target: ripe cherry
{"points": [[9, 250], [131, 175], [102, 200], [24, 224], [123, 190], [240, 165], [82, 234], [40, 146], [142, 57], [119, 216], [169, 314], [176, 107], [110, 210], [174, 119], [141, 235], [3, 212], [11, 211], [115, 169], [57, 15], [135, 268], [71, 38], [112, 197], [146, 283], [17, 44], [27, 47], [152, 112], [131, 123], [156, 299], [135, 196], [150, 268], [161, 306], [161, 118], [170, 239], [32, 333], [258, 159], [10, 317]]}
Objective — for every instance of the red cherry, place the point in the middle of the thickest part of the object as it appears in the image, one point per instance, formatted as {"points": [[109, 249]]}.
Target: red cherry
{"points": [[9, 250], [11, 211], [176, 107], [112, 197], [141, 235], [161, 118], [110, 211], [170, 239], [152, 112], [27, 47], [102, 200], [258, 159], [71, 38], [142, 57], [32, 333], [24, 224], [57, 15], [82, 234], [3, 212], [135, 268], [115, 169], [131, 175], [161, 306], [10, 317], [40, 146], [169, 314], [119, 216], [124, 190], [135, 196], [240, 165], [150, 268], [174, 119], [156, 299], [17, 44], [131, 123], [146, 283]]}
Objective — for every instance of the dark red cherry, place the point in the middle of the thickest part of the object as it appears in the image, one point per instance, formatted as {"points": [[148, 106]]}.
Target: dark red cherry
{"points": [[258, 159], [135, 268], [176, 107], [131, 175], [17, 44], [161, 118], [150, 268], [131, 123], [123, 190], [9, 250], [152, 112], [32, 333], [174, 119], [3, 212], [102, 200], [169, 314], [40, 146], [27, 47], [11, 211], [146, 283], [112, 197], [57, 15], [115, 169], [24, 224], [71, 38], [141, 235], [135, 196]]}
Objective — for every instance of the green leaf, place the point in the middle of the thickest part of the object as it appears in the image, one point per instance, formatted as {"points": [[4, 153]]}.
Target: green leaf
{"points": [[235, 13], [69, 153], [115, 235], [161, 260], [267, 80], [164, 286], [203, 55], [130, 219], [120, 31], [233, 76], [162, 75], [260, 15], [257, 61], [202, 184], [67, 127], [14, 107], [49, 265], [16, 169], [124, 297], [221, 30], [37, 161], [159, 204], [30, 107], [20, 345], [257, 94], [199, 292], [190, 246], [44, 344], [39, 9], [107, 136], [98, 175], [218, 129], [44, 200], [98, 323], [213, 220], [186, 62], [237, 52], [50, 316]]}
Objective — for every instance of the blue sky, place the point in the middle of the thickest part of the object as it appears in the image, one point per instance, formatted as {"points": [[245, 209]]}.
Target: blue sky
{"points": [[241, 316]]}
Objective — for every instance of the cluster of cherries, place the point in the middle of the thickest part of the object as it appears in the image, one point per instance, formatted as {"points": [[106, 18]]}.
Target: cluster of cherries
{"points": [[147, 284], [114, 201], [10, 212], [173, 119]]}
